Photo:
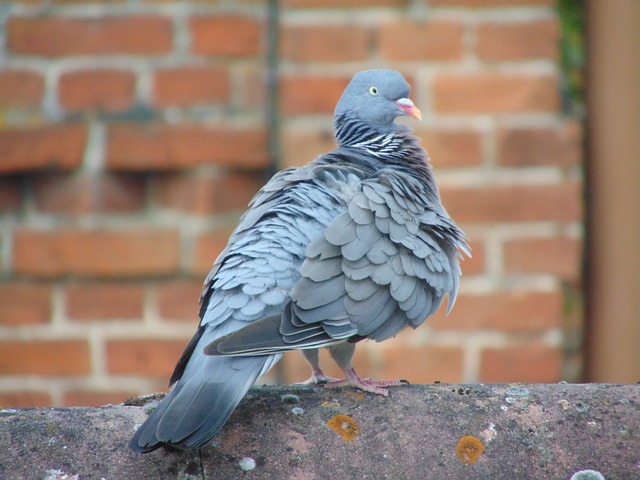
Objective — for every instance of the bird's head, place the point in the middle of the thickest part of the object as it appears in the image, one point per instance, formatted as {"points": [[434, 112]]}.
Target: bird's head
{"points": [[377, 98]]}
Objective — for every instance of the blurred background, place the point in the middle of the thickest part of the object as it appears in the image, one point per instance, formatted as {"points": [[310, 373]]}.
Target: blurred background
{"points": [[134, 132]]}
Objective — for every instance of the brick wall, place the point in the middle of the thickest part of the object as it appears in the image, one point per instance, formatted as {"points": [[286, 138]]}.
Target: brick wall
{"points": [[133, 134]]}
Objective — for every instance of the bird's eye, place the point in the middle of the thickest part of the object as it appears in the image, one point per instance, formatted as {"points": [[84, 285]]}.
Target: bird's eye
{"points": [[373, 91]]}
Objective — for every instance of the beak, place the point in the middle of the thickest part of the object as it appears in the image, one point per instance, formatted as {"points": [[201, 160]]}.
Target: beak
{"points": [[408, 108]]}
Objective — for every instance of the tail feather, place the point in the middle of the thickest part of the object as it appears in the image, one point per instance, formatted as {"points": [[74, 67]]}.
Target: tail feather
{"points": [[201, 402]]}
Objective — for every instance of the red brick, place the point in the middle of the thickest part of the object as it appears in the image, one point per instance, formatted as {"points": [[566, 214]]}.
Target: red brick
{"points": [[53, 146], [97, 252], [420, 364], [513, 203], [21, 88], [91, 398], [311, 94], [560, 146], [204, 195], [452, 148], [300, 145], [188, 86], [10, 194], [143, 357], [250, 90], [24, 303], [78, 193], [325, 43], [496, 41], [505, 311], [530, 363], [554, 256], [491, 3], [46, 358], [477, 263], [103, 90], [206, 248], [408, 40], [495, 93], [64, 36], [104, 301], [226, 35], [161, 147], [25, 399], [178, 299], [344, 4]]}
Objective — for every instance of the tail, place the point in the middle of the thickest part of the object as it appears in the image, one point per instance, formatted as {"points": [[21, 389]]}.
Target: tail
{"points": [[201, 401]]}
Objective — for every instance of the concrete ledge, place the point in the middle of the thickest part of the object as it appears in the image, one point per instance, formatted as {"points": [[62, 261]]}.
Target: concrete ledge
{"points": [[420, 431]]}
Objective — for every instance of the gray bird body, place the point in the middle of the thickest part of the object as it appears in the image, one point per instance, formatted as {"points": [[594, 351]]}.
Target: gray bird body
{"points": [[354, 245]]}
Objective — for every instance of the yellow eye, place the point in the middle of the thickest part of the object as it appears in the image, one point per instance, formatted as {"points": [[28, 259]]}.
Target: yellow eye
{"points": [[373, 91]]}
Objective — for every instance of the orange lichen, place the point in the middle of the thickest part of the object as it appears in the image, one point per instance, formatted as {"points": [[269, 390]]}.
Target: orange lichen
{"points": [[469, 449], [356, 395], [345, 426]]}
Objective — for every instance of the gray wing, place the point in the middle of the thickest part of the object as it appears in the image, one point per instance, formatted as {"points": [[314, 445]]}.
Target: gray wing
{"points": [[386, 262]]}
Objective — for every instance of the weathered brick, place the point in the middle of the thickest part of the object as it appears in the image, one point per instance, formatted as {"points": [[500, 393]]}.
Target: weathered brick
{"points": [[497, 41], [148, 357], [206, 248], [422, 363], [540, 146], [20, 88], [513, 203], [203, 194], [47, 358], [452, 148], [78, 193], [59, 146], [25, 399], [558, 256], [530, 362], [24, 303], [161, 147], [91, 398], [311, 94], [475, 93], [178, 299], [407, 40], [226, 35], [102, 300], [102, 90], [188, 86], [504, 311], [64, 36], [325, 43], [97, 252]]}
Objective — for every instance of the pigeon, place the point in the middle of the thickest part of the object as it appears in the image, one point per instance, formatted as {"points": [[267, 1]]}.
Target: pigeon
{"points": [[354, 245]]}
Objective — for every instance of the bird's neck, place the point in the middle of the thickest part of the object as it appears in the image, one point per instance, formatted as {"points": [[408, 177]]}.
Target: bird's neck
{"points": [[396, 144]]}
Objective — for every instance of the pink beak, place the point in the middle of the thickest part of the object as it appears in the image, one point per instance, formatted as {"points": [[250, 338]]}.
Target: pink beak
{"points": [[408, 108]]}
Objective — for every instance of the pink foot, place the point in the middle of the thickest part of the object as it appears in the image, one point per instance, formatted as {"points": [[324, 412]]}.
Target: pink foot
{"points": [[372, 386]]}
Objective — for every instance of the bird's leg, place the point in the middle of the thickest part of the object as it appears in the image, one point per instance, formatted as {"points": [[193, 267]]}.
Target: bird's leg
{"points": [[317, 375], [342, 354]]}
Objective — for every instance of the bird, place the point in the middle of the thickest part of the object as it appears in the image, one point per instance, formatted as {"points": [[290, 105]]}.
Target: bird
{"points": [[354, 245]]}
